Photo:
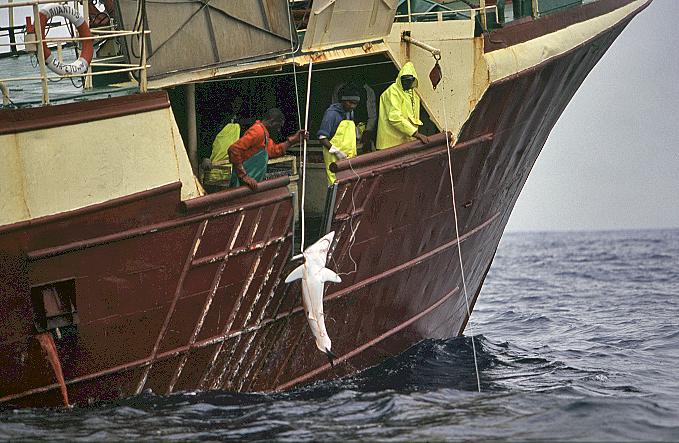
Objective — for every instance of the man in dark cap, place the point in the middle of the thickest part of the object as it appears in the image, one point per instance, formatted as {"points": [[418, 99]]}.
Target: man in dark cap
{"points": [[337, 133], [250, 154]]}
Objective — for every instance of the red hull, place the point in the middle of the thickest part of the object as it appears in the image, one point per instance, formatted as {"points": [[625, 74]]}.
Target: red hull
{"points": [[174, 296]]}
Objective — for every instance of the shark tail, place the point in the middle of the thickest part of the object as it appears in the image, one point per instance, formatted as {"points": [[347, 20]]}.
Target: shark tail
{"points": [[331, 357]]}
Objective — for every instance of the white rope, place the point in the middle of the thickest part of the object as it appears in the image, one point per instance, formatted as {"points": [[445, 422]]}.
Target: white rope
{"points": [[457, 234], [306, 125], [294, 68], [291, 25]]}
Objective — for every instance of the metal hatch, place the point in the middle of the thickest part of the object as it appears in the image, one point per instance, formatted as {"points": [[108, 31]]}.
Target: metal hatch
{"points": [[342, 22], [193, 34]]}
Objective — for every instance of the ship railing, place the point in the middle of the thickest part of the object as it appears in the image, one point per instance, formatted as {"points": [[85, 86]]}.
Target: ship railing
{"points": [[107, 65], [468, 13]]}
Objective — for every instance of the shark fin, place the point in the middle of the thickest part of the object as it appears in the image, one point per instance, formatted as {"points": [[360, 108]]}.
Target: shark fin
{"points": [[329, 275], [296, 274]]}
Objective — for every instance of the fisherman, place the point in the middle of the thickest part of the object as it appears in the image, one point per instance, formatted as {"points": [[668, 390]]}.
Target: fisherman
{"points": [[365, 114], [337, 133], [220, 146], [399, 117], [250, 154]]}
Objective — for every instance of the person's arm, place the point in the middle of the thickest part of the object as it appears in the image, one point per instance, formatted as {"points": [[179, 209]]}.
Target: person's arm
{"points": [[278, 149], [331, 121]]}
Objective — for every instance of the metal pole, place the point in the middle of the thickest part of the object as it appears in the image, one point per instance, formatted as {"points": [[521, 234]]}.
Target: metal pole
{"points": [[484, 19], [88, 74], [432, 50], [12, 40], [41, 55], [410, 17], [192, 132], [536, 8], [143, 79]]}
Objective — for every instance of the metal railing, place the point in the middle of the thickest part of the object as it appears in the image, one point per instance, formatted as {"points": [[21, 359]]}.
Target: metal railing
{"points": [[467, 13], [97, 34]]}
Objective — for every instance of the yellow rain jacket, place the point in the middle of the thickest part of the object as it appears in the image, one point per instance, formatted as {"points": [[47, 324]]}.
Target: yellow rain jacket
{"points": [[220, 150], [345, 140], [399, 116]]}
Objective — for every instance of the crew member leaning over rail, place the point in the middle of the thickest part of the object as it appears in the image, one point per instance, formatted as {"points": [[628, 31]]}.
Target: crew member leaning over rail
{"points": [[250, 154], [337, 133], [399, 116]]}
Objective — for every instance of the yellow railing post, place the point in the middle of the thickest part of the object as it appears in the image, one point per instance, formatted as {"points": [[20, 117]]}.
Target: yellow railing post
{"points": [[536, 8], [484, 19], [41, 54]]}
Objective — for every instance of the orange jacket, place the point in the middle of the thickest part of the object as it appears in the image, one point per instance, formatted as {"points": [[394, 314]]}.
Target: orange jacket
{"points": [[254, 139]]}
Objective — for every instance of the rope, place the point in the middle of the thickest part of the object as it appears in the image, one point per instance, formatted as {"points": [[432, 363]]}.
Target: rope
{"points": [[302, 155], [306, 125], [457, 233]]}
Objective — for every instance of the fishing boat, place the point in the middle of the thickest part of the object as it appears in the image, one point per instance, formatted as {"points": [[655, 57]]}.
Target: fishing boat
{"points": [[120, 274]]}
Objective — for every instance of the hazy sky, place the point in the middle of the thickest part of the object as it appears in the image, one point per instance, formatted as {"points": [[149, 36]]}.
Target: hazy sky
{"points": [[612, 160]]}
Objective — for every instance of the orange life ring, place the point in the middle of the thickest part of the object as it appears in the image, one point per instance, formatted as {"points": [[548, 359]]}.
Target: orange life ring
{"points": [[79, 66]]}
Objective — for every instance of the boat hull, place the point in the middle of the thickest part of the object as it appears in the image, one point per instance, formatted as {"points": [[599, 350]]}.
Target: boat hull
{"points": [[175, 295]]}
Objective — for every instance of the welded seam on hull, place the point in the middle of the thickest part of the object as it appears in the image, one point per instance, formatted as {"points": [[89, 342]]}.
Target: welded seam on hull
{"points": [[234, 311], [260, 318], [265, 280], [229, 246], [208, 302], [267, 275], [369, 344], [180, 283]]}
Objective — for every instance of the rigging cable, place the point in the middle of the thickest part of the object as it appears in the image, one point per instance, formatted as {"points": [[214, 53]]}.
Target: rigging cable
{"points": [[306, 124], [457, 232], [293, 50]]}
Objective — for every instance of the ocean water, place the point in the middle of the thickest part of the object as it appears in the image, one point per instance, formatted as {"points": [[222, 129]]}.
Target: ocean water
{"points": [[577, 339]]}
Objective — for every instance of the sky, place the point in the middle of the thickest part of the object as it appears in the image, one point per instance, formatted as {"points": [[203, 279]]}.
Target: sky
{"points": [[612, 160]]}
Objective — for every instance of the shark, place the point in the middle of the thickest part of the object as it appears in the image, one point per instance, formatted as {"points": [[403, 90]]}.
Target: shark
{"points": [[314, 274]]}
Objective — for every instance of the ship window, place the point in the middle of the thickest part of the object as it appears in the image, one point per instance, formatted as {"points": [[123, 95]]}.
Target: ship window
{"points": [[54, 306]]}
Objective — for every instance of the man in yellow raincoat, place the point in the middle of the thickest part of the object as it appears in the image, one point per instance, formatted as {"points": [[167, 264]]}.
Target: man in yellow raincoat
{"points": [[220, 147], [399, 116], [337, 133]]}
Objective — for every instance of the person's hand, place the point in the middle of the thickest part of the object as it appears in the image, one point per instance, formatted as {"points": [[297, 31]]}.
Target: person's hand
{"points": [[421, 137], [206, 164], [298, 136], [249, 181], [337, 153], [366, 137]]}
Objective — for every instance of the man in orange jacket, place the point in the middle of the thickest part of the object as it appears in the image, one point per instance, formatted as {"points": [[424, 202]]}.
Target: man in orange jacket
{"points": [[250, 154]]}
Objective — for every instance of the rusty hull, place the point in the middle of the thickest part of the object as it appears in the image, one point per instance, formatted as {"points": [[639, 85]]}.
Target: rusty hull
{"points": [[174, 296]]}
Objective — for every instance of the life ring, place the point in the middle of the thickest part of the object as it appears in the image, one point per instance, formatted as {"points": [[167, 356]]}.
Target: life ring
{"points": [[79, 66]]}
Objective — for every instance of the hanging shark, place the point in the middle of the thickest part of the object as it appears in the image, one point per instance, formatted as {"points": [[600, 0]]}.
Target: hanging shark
{"points": [[314, 274]]}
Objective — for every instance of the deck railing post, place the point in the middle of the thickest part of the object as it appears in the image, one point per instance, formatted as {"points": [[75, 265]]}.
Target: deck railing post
{"points": [[192, 146], [143, 79], [12, 39], [484, 18], [41, 54]]}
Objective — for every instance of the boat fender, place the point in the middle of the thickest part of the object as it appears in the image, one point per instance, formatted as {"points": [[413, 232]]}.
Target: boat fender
{"points": [[79, 66], [314, 274]]}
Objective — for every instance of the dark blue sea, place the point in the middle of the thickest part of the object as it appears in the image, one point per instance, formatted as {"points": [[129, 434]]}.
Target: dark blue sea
{"points": [[577, 339]]}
